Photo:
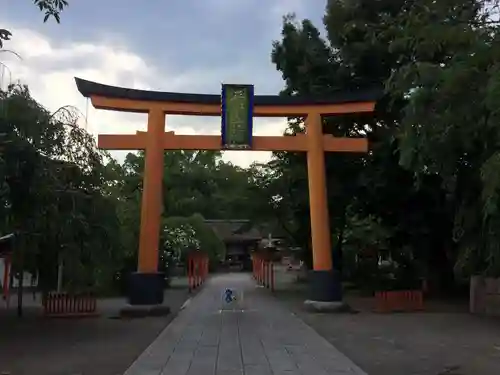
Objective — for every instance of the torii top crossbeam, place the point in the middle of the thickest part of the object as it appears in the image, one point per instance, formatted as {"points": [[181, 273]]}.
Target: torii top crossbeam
{"points": [[141, 101]]}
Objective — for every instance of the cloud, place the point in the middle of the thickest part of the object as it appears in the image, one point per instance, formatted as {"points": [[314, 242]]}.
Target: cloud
{"points": [[49, 69]]}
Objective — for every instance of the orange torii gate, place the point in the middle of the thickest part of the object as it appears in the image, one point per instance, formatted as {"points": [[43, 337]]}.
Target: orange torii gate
{"points": [[238, 101]]}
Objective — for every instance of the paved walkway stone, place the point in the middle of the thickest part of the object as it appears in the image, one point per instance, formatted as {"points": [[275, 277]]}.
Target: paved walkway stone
{"points": [[253, 335]]}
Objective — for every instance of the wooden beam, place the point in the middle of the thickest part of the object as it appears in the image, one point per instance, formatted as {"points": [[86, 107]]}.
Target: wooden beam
{"points": [[338, 144], [214, 142], [197, 109], [121, 141], [174, 141]]}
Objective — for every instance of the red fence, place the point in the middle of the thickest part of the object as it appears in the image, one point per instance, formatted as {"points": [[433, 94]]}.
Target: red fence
{"points": [[70, 305], [197, 269], [263, 271], [404, 300]]}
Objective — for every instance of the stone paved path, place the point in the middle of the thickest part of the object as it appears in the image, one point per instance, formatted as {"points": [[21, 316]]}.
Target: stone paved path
{"points": [[253, 335]]}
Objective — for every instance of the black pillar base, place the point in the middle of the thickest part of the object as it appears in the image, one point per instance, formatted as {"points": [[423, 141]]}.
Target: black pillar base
{"points": [[325, 286], [146, 288]]}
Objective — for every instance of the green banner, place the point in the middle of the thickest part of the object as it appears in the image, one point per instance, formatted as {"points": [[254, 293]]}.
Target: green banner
{"points": [[237, 116]]}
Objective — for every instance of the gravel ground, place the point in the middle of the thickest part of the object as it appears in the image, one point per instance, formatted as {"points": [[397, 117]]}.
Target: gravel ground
{"points": [[443, 340], [97, 346]]}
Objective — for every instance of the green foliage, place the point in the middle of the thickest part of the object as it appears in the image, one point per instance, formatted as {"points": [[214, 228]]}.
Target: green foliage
{"points": [[52, 178], [450, 127], [179, 237], [184, 234], [196, 185], [428, 190], [430, 178], [5, 35], [363, 233], [209, 242], [50, 8]]}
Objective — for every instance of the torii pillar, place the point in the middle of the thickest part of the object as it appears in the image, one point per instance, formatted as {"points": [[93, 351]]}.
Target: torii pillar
{"points": [[146, 287]]}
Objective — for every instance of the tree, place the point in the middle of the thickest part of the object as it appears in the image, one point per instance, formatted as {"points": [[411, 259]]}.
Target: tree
{"points": [[51, 168], [182, 235], [278, 200], [194, 182], [50, 8], [450, 126], [310, 67], [179, 238], [196, 185], [417, 50]]}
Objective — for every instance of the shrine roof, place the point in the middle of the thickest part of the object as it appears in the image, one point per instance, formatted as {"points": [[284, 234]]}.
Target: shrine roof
{"points": [[241, 230], [234, 229], [89, 89]]}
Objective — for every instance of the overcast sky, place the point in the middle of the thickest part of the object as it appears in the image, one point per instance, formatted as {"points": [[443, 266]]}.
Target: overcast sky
{"points": [[176, 45]]}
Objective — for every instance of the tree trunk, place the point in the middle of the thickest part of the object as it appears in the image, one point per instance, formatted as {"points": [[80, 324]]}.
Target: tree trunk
{"points": [[19, 249], [60, 270], [442, 271]]}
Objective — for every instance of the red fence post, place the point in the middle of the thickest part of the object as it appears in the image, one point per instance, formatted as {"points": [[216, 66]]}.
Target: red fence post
{"points": [[261, 269], [190, 272], [202, 268], [193, 270], [251, 259], [200, 265], [52, 302], [46, 303], [379, 302], [262, 272], [253, 266], [257, 269], [272, 277], [417, 300], [269, 274], [58, 303], [266, 274], [197, 270], [205, 267]]}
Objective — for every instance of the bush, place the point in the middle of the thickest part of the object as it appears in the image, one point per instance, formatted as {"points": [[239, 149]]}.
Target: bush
{"points": [[184, 234]]}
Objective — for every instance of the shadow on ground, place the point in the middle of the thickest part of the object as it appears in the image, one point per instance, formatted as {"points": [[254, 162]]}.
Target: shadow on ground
{"points": [[443, 340], [97, 346]]}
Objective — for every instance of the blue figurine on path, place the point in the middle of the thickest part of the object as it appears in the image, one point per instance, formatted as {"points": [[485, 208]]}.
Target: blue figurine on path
{"points": [[229, 296]]}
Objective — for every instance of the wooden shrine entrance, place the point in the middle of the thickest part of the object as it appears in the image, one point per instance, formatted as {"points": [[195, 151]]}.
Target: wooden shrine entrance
{"points": [[237, 108]]}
